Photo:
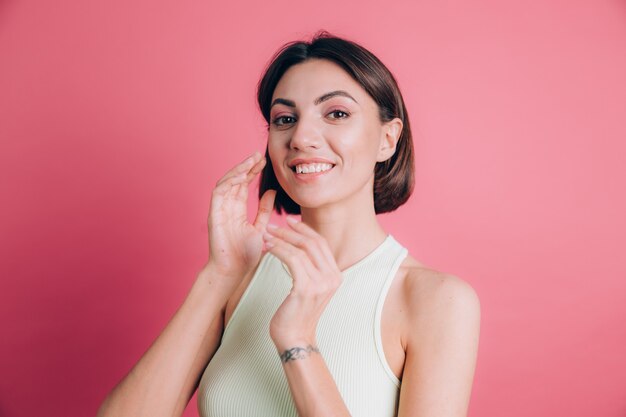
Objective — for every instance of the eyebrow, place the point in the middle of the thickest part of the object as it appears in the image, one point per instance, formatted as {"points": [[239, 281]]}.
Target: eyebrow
{"points": [[317, 101]]}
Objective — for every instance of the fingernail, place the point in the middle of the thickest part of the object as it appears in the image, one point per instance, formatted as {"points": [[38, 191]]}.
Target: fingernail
{"points": [[267, 236], [292, 220], [269, 244], [272, 226]]}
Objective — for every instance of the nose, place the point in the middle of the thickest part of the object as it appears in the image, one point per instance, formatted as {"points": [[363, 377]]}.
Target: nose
{"points": [[304, 135]]}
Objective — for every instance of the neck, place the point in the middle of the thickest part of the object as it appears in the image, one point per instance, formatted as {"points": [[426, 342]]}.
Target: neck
{"points": [[350, 228]]}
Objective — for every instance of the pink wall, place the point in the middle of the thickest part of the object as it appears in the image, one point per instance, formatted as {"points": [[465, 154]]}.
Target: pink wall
{"points": [[117, 118]]}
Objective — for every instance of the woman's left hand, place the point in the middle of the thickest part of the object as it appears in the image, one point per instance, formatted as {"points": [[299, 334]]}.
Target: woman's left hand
{"points": [[315, 275]]}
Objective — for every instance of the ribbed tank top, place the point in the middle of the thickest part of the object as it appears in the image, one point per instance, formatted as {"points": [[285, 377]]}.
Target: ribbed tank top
{"points": [[245, 377]]}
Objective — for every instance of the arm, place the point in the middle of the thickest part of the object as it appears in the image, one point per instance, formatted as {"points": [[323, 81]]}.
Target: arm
{"points": [[312, 385], [442, 346], [167, 375], [316, 277], [165, 378], [439, 367]]}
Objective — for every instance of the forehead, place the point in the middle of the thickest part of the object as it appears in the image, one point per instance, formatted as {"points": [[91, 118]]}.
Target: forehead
{"points": [[306, 81]]}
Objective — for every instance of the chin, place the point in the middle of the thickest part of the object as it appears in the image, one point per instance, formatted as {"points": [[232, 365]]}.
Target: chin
{"points": [[307, 202], [311, 201]]}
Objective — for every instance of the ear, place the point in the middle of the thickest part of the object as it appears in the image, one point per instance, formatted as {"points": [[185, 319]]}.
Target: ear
{"points": [[389, 138]]}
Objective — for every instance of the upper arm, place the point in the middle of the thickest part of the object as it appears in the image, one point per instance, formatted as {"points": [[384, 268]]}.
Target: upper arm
{"points": [[442, 346]]}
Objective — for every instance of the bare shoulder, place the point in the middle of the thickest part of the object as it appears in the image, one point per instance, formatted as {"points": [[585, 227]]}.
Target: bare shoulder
{"points": [[423, 284], [435, 299], [440, 325]]}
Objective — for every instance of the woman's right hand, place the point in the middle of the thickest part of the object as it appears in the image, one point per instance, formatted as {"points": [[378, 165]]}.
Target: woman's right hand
{"points": [[235, 244]]}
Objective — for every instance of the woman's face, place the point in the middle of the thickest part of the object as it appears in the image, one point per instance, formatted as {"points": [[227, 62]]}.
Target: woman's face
{"points": [[322, 120]]}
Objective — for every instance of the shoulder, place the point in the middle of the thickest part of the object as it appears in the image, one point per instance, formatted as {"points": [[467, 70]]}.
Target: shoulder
{"points": [[440, 335], [435, 300], [423, 284]]}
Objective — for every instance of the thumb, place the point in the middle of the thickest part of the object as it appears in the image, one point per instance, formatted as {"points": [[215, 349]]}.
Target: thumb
{"points": [[266, 205]]}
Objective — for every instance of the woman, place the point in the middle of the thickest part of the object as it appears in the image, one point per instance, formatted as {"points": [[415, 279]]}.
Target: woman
{"points": [[329, 315]]}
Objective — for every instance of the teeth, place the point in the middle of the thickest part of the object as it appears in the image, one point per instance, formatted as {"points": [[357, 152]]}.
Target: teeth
{"points": [[311, 168]]}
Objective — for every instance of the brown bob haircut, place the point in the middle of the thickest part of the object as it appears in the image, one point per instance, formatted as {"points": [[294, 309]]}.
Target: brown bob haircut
{"points": [[393, 178]]}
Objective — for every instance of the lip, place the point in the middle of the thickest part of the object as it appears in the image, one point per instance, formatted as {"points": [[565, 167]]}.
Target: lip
{"points": [[306, 178], [297, 161]]}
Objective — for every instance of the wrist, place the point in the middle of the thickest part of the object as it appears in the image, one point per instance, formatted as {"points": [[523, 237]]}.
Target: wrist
{"points": [[291, 343], [220, 281], [297, 350]]}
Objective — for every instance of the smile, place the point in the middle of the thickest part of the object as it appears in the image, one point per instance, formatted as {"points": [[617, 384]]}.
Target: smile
{"points": [[311, 168], [311, 172]]}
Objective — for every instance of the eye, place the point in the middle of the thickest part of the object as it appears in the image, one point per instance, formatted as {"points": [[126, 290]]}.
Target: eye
{"points": [[279, 120], [339, 112]]}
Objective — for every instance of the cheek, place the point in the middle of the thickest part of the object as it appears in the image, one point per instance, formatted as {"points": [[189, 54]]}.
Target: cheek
{"points": [[277, 156], [274, 153], [276, 139], [357, 145]]}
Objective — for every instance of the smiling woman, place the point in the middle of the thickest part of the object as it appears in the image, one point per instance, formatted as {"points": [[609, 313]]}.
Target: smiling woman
{"points": [[329, 315], [378, 99]]}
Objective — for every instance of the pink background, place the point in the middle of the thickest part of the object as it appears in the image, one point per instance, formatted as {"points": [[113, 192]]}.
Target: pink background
{"points": [[118, 117]]}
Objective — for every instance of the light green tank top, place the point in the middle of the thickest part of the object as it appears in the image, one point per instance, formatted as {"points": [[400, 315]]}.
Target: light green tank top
{"points": [[245, 377]]}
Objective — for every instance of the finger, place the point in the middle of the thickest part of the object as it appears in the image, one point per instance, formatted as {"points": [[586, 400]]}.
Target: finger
{"points": [[266, 205], [221, 200], [301, 227], [305, 229], [250, 175], [300, 242], [236, 185], [296, 260], [257, 167], [243, 166], [224, 189], [307, 280]]}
